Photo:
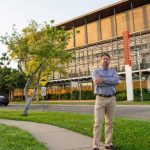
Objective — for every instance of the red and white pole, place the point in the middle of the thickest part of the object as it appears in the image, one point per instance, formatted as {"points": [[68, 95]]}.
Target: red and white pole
{"points": [[128, 67]]}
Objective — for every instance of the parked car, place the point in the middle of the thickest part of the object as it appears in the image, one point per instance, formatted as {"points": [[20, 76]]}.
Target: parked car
{"points": [[4, 100]]}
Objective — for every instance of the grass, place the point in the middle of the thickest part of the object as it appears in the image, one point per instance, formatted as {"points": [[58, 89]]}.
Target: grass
{"points": [[133, 103], [85, 102], [128, 134], [13, 138]]}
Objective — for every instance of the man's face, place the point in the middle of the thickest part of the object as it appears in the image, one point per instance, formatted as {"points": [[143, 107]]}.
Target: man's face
{"points": [[105, 60]]}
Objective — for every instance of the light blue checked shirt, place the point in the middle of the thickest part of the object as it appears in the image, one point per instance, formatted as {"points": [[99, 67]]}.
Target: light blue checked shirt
{"points": [[110, 80]]}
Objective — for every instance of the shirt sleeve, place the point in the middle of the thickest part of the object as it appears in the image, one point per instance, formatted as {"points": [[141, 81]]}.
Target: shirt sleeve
{"points": [[94, 75], [113, 80]]}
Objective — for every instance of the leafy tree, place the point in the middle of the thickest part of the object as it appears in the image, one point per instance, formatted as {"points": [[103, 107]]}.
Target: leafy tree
{"points": [[39, 50], [10, 79], [4, 60], [3, 79], [15, 80]]}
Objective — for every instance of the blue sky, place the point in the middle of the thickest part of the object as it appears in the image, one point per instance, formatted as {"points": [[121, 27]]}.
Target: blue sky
{"points": [[19, 12]]}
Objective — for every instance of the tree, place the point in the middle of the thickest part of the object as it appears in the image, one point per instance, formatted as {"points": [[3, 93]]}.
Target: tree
{"points": [[39, 51], [10, 79], [15, 80], [4, 60], [3, 79]]}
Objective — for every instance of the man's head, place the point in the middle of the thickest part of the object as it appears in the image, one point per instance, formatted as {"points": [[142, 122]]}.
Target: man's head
{"points": [[105, 60]]}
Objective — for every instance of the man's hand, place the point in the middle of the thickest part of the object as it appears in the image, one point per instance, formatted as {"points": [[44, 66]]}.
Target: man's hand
{"points": [[99, 80]]}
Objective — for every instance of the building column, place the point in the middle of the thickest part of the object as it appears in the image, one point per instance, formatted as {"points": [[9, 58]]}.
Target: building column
{"points": [[129, 82], [128, 67]]}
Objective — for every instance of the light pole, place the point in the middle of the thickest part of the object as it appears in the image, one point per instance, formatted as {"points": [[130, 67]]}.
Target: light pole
{"points": [[140, 73]]}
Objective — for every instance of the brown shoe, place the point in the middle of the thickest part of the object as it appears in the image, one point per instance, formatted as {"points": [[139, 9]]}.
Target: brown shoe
{"points": [[95, 148], [110, 147]]}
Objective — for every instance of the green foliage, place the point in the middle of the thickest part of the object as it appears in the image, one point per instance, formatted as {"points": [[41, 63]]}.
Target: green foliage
{"points": [[23, 140], [11, 79], [137, 94], [18, 99], [4, 60], [65, 96], [85, 95], [121, 96], [39, 50], [75, 95], [89, 95]]}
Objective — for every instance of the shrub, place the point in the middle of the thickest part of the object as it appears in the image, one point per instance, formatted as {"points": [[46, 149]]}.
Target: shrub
{"points": [[18, 98], [89, 95], [121, 96], [145, 93]]}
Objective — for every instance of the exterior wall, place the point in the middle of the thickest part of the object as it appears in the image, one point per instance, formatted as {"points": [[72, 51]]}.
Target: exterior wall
{"points": [[106, 28], [80, 37], [71, 40], [121, 23], [87, 59], [147, 7], [129, 21], [132, 20], [138, 19], [92, 32]]}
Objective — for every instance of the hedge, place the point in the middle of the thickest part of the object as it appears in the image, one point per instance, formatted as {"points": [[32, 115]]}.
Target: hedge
{"points": [[89, 95]]}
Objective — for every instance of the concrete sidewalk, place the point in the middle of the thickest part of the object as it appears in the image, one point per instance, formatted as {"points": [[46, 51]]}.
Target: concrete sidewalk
{"points": [[53, 137]]}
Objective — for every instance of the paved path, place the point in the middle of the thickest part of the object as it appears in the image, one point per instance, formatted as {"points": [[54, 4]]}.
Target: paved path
{"points": [[53, 137]]}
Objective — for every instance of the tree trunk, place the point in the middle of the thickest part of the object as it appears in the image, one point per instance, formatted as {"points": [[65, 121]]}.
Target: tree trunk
{"points": [[28, 102], [37, 94], [28, 98], [9, 95], [29, 81]]}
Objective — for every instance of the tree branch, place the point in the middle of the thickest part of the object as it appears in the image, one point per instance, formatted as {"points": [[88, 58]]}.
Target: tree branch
{"points": [[20, 68]]}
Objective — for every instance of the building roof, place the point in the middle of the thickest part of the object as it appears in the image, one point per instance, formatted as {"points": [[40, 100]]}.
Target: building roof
{"points": [[103, 12]]}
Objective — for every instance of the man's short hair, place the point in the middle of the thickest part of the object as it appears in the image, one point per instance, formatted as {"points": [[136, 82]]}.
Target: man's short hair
{"points": [[105, 54]]}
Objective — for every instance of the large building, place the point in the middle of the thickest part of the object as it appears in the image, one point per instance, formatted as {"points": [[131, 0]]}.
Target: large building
{"points": [[102, 31]]}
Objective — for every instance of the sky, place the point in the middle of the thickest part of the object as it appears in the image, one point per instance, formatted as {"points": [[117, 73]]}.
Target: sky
{"points": [[20, 12]]}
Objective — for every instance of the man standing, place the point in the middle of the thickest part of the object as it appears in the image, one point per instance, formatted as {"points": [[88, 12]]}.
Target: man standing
{"points": [[104, 80]]}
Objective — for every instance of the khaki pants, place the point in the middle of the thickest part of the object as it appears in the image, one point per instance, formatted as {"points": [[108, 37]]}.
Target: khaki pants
{"points": [[103, 105]]}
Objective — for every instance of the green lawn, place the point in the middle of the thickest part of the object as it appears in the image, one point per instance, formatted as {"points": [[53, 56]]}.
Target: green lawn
{"points": [[128, 134], [12, 138], [77, 102], [133, 103]]}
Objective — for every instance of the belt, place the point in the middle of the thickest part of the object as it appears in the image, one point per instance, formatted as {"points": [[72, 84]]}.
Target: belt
{"points": [[101, 95]]}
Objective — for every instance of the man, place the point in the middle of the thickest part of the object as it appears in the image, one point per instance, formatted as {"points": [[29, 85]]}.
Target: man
{"points": [[104, 80]]}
